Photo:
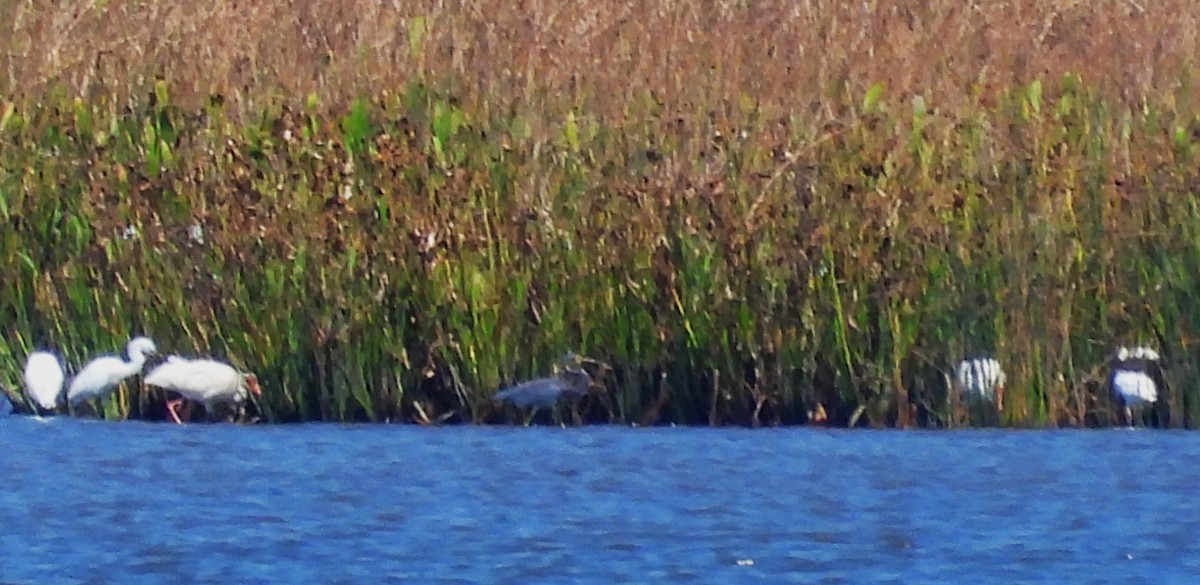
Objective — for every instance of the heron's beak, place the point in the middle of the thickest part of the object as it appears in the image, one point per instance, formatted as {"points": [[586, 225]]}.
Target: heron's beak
{"points": [[592, 361]]}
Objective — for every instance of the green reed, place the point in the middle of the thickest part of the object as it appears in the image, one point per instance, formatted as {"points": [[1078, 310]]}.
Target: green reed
{"points": [[404, 259]]}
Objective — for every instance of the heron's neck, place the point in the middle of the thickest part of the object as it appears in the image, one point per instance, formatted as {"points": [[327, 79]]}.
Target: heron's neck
{"points": [[578, 380]]}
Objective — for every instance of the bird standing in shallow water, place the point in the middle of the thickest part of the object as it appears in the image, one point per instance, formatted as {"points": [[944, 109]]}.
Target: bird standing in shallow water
{"points": [[206, 381], [103, 374], [44, 380], [1131, 379], [572, 383]]}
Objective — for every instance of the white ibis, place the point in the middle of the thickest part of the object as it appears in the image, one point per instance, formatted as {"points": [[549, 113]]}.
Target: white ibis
{"points": [[100, 376], [206, 381], [44, 379], [1131, 379]]}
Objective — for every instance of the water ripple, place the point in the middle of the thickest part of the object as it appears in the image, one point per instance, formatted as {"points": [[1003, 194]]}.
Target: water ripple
{"points": [[87, 501]]}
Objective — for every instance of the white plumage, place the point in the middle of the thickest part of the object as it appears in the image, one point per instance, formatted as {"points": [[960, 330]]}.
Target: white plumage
{"points": [[44, 379], [1131, 380], [1135, 388], [1137, 353], [101, 375], [980, 379], [206, 381]]}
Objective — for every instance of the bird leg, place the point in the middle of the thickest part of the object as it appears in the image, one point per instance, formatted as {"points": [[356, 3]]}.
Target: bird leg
{"points": [[171, 406], [188, 405]]}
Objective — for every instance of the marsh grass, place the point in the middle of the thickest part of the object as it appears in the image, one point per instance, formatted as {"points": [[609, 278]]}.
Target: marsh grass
{"points": [[751, 214]]}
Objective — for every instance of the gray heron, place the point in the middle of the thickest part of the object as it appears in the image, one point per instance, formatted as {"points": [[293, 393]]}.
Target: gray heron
{"points": [[572, 383]]}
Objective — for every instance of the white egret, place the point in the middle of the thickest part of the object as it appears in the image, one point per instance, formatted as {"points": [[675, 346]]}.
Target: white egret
{"points": [[1131, 379], [101, 375], [206, 381], [44, 379]]}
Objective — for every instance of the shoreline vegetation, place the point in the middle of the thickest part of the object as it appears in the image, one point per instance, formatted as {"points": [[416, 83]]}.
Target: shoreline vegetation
{"points": [[755, 216]]}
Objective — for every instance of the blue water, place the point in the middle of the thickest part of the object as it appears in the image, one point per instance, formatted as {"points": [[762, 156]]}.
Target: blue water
{"points": [[95, 502]]}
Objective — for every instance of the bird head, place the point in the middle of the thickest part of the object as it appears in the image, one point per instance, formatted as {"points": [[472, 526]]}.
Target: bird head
{"points": [[577, 379], [251, 383], [574, 361], [141, 346]]}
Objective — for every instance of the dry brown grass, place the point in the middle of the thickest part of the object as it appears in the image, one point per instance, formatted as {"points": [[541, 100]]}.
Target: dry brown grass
{"points": [[821, 254], [784, 55]]}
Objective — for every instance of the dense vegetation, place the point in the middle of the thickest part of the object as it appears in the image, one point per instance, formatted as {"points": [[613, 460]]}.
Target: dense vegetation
{"points": [[753, 213]]}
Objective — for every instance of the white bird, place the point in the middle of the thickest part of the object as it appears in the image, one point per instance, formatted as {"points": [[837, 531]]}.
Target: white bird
{"points": [[982, 379], [44, 379], [202, 380], [1131, 380], [1135, 388], [102, 374]]}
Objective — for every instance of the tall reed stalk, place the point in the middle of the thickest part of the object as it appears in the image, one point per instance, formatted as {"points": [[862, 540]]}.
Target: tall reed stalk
{"points": [[764, 214]]}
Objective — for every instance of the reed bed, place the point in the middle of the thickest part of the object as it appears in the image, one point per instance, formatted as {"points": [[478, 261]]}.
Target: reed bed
{"points": [[769, 214]]}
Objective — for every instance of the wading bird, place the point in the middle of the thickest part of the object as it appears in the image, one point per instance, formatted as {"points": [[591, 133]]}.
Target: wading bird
{"points": [[102, 374], [44, 380], [208, 382], [1131, 379], [981, 383], [572, 383]]}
